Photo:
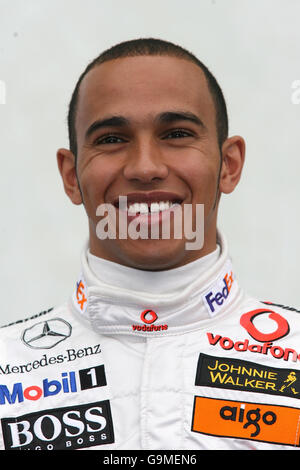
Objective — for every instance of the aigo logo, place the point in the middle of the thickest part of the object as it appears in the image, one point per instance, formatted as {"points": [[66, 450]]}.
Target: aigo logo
{"points": [[149, 317], [282, 329], [252, 417], [246, 420]]}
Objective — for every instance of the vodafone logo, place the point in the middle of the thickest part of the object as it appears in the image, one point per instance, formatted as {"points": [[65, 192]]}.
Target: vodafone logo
{"points": [[148, 316], [281, 325], [270, 326]]}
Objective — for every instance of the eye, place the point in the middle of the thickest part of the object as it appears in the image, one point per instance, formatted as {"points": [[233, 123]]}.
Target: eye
{"points": [[178, 134], [108, 139]]}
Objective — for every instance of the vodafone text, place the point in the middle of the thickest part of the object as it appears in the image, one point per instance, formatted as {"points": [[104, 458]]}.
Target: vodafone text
{"points": [[149, 328], [267, 348], [148, 317]]}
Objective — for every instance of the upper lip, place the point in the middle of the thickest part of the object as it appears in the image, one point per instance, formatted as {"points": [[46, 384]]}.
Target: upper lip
{"points": [[153, 196]]}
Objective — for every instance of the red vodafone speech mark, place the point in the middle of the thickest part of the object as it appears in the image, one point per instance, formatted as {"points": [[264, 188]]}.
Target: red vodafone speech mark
{"points": [[153, 316], [282, 325]]}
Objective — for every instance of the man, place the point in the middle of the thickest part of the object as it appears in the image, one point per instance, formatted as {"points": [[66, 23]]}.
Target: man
{"points": [[158, 347]]}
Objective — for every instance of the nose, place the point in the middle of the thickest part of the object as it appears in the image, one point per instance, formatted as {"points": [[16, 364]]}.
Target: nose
{"points": [[145, 163]]}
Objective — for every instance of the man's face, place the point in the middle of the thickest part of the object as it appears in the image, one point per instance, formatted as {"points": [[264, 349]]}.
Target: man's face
{"points": [[161, 145]]}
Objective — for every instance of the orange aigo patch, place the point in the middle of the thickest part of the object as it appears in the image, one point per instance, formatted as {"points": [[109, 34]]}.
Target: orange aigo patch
{"points": [[256, 421]]}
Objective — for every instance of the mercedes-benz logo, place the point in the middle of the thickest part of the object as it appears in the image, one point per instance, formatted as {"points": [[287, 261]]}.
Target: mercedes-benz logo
{"points": [[46, 334]]}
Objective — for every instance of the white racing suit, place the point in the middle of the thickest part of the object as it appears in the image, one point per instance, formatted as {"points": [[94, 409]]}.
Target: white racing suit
{"points": [[207, 368]]}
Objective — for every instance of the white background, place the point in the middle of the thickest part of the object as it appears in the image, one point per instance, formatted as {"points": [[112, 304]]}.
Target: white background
{"points": [[252, 46]]}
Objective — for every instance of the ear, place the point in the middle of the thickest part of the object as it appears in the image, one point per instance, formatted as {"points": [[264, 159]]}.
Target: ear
{"points": [[67, 167], [233, 157]]}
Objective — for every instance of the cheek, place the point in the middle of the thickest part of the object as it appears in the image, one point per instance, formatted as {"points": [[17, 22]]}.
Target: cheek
{"points": [[95, 178], [202, 178]]}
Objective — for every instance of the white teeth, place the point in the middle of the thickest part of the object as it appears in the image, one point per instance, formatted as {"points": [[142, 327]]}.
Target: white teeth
{"points": [[154, 207], [131, 209], [163, 206], [143, 207]]}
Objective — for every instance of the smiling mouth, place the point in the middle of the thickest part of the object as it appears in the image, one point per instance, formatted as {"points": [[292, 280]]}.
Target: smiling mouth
{"points": [[153, 208], [152, 203]]}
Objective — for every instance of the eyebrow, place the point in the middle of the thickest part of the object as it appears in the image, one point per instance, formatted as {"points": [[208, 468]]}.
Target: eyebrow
{"points": [[114, 121], [167, 117]]}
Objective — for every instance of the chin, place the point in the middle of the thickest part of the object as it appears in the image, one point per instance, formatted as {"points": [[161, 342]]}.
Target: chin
{"points": [[154, 255]]}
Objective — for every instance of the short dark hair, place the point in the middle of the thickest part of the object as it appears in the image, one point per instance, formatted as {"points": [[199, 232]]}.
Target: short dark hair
{"points": [[151, 47]]}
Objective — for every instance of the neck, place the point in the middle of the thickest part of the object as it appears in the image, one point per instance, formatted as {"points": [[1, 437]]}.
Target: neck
{"points": [[154, 282], [115, 298]]}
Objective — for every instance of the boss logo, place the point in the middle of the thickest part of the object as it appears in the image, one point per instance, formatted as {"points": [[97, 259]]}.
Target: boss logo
{"points": [[60, 429]]}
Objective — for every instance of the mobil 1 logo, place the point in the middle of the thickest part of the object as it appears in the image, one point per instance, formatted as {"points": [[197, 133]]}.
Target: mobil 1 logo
{"points": [[67, 383], [66, 428]]}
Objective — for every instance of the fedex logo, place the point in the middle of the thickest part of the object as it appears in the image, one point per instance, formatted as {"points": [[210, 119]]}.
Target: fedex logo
{"points": [[80, 295], [215, 298]]}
